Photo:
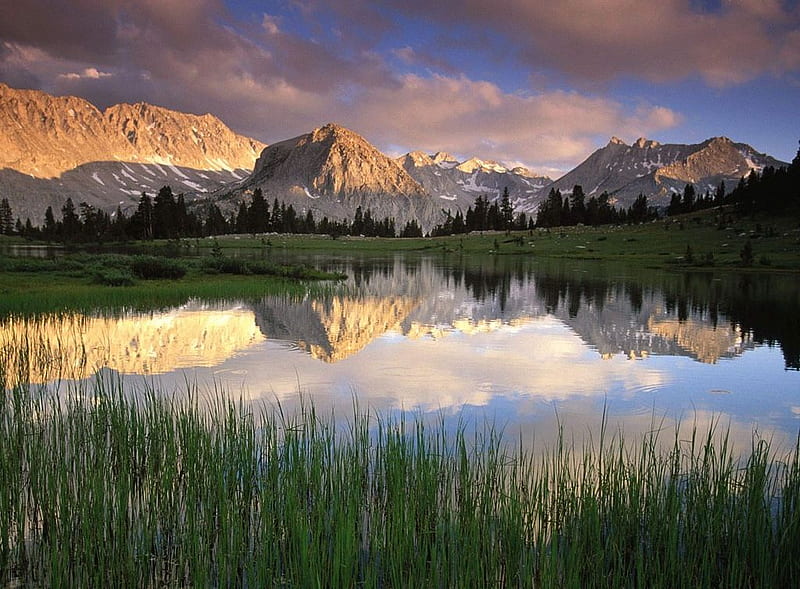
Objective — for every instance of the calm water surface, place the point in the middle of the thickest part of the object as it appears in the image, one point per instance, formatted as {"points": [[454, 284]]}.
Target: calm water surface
{"points": [[523, 344]]}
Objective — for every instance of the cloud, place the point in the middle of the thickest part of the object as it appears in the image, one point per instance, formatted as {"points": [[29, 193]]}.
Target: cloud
{"points": [[268, 82], [477, 118], [596, 40], [89, 72]]}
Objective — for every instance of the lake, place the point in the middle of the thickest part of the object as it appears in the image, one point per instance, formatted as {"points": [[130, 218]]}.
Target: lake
{"points": [[525, 344]]}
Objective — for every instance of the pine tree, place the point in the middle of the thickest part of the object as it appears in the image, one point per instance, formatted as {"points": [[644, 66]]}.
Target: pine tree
{"points": [[141, 223], [638, 212], [258, 213], [506, 211], [50, 226], [578, 205], [242, 219], [70, 222], [674, 207], [164, 221], [6, 217], [605, 212], [412, 229], [688, 201]]}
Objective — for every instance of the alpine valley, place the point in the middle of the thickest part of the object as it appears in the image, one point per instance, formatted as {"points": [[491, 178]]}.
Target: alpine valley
{"points": [[53, 148]]}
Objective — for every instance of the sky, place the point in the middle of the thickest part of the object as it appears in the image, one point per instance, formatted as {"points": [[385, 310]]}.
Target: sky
{"points": [[539, 84]]}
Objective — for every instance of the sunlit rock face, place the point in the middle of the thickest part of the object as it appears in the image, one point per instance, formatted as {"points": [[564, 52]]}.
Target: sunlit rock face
{"points": [[76, 346], [332, 170], [45, 136]]}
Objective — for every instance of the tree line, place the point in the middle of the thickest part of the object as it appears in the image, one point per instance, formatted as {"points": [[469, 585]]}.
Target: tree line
{"points": [[167, 216], [558, 210]]}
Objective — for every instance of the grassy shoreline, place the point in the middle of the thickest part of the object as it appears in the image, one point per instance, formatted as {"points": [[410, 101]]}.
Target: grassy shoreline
{"points": [[108, 489], [93, 282], [716, 240]]}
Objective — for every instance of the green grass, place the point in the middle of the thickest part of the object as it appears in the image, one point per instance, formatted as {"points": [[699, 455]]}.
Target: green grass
{"points": [[107, 487], [661, 244], [96, 282]]}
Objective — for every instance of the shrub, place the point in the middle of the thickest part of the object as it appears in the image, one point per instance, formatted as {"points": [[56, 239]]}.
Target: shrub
{"points": [[746, 254], [151, 267], [111, 277]]}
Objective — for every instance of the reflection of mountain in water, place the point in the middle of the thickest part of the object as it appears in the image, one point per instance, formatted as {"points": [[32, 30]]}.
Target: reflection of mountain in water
{"points": [[698, 316], [77, 346], [421, 297], [331, 329]]}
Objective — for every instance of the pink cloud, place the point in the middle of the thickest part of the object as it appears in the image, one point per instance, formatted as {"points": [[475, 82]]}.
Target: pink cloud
{"points": [[549, 129], [265, 82], [602, 39]]}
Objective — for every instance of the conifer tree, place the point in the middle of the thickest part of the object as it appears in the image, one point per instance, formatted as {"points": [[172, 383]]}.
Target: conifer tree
{"points": [[6, 217]]}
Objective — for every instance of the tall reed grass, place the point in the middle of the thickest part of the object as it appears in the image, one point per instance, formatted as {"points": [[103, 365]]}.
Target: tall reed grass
{"points": [[106, 487]]}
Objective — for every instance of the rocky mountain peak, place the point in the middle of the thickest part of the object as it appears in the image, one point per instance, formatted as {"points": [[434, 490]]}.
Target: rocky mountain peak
{"points": [[643, 143], [719, 141], [416, 159], [442, 157], [716, 157], [657, 170], [331, 161], [475, 163], [616, 141]]}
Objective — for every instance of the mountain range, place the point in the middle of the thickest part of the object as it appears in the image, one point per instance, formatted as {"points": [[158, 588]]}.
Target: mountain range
{"points": [[54, 147]]}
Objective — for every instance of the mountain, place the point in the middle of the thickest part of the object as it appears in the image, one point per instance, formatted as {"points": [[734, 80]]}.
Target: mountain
{"points": [[54, 147], [457, 185], [332, 171], [657, 170]]}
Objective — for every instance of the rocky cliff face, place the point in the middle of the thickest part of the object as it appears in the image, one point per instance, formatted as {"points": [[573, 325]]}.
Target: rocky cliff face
{"points": [[333, 170], [54, 147], [657, 170], [332, 161]]}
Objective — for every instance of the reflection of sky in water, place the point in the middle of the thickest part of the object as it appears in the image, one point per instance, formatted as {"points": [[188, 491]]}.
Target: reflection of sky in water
{"points": [[524, 377], [522, 351]]}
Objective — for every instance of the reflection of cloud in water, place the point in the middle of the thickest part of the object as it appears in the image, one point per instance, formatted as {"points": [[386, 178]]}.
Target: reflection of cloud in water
{"points": [[540, 359]]}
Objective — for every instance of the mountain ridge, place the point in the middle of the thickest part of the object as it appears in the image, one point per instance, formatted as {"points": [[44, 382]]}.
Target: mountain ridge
{"points": [[58, 147], [659, 169], [45, 135]]}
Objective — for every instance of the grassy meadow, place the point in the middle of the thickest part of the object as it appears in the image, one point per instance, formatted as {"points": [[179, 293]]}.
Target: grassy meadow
{"points": [[715, 239], [92, 282]]}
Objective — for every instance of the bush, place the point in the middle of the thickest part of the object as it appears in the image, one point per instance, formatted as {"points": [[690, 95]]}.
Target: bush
{"points": [[152, 267], [262, 267], [111, 277], [746, 254]]}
